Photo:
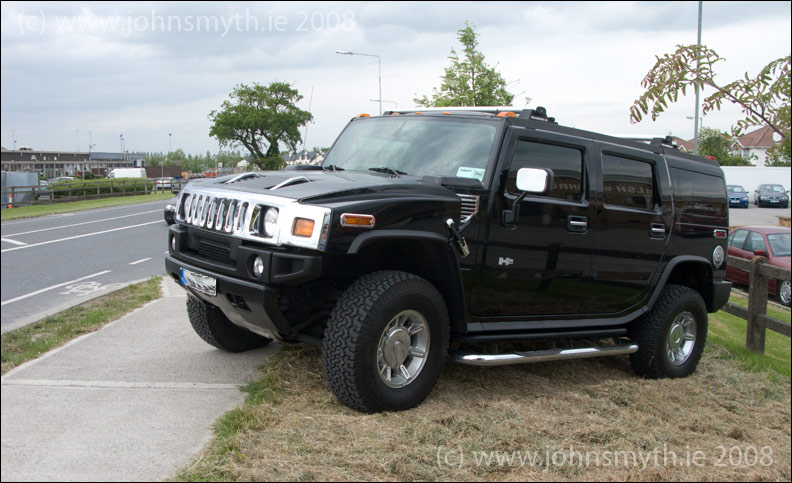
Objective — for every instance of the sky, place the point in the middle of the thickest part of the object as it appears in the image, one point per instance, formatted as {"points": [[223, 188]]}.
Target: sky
{"points": [[74, 73]]}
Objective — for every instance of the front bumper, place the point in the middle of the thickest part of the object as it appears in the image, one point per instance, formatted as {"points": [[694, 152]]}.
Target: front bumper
{"points": [[249, 305], [248, 301]]}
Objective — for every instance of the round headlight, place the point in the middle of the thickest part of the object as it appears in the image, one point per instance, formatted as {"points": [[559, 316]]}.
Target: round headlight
{"points": [[258, 266], [270, 222], [718, 256]]}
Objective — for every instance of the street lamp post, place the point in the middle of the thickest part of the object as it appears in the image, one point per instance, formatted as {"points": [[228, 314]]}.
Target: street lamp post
{"points": [[395, 106], [379, 71], [698, 64]]}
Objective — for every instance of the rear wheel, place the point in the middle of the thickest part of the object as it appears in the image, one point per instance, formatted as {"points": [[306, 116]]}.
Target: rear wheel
{"points": [[671, 337], [211, 324], [386, 342]]}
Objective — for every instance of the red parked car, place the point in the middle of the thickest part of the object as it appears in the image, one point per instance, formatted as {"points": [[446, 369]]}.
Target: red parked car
{"points": [[746, 241]]}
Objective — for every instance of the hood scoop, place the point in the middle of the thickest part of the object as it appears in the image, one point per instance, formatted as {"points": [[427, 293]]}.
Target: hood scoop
{"points": [[243, 176], [291, 182]]}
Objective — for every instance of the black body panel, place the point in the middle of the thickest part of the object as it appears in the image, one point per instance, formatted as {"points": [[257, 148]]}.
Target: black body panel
{"points": [[589, 255]]}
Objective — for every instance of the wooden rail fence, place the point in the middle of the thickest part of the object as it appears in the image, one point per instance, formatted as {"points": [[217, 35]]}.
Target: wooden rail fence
{"points": [[756, 313]]}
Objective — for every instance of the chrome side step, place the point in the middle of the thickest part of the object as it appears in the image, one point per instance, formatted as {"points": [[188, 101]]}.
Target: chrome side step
{"points": [[542, 356]]}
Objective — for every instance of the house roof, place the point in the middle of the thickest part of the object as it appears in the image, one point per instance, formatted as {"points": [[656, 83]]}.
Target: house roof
{"points": [[686, 146], [760, 138]]}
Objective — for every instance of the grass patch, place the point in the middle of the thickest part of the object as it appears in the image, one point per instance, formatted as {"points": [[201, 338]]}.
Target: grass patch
{"points": [[31, 341], [72, 206], [292, 428], [728, 331]]}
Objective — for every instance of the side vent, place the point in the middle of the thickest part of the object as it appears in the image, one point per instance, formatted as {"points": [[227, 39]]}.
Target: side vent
{"points": [[470, 206]]}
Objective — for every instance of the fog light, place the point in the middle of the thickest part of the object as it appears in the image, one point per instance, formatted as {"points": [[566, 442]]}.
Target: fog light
{"points": [[258, 266], [173, 243], [718, 256]]}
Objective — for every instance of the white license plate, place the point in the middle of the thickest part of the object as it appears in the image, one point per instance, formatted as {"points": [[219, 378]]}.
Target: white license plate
{"points": [[202, 283]]}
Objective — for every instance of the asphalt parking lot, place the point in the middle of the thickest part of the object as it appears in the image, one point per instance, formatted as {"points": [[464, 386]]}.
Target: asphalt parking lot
{"points": [[753, 215]]}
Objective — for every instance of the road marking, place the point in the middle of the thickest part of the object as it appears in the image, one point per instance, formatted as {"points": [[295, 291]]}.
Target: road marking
{"points": [[79, 236], [140, 261], [13, 242], [37, 292], [84, 223]]}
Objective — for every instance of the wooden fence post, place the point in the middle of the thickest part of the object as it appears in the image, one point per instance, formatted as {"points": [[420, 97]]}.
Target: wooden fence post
{"points": [[757, 305]]}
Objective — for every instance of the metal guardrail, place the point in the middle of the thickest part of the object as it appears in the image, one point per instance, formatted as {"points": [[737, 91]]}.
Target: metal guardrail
{"points": [[16, 196], [756, 313]]}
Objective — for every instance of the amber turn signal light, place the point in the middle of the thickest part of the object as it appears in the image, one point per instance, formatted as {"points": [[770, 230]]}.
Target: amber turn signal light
{"points": [[303, 227], [357, 221]]}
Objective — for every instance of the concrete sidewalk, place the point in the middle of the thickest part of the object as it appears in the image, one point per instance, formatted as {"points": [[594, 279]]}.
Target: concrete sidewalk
{"points": [[135, 400]]}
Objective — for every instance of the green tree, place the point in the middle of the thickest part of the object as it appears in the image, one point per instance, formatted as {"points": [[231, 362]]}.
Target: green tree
{"points": [[764, 100], [259, 118], [469, 81], [719, 145], [779, 155]]}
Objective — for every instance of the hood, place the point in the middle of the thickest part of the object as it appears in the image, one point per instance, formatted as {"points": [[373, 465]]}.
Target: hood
{"points": [[318, 187]]}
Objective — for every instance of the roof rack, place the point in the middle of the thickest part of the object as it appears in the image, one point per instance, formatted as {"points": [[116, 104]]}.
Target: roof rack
{"points": [[539, 114], [652, 140], [472, 109]]}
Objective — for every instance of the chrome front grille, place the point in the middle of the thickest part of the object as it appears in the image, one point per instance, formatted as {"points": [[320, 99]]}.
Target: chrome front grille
{"points": [[219, 214], [470, 206], [239, 214]]}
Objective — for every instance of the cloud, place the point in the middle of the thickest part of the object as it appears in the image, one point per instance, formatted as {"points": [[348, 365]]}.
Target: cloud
{"points": [[146, 69]]}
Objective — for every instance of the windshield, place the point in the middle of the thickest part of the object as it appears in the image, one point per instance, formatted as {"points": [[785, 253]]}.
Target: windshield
{"points": [[774, 187], [736, 189], [416, 146], [780, 244]]}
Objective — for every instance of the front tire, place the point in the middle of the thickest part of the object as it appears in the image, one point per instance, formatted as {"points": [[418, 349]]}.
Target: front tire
{"points": [[671, 336], [211, 324], [386, 342]]}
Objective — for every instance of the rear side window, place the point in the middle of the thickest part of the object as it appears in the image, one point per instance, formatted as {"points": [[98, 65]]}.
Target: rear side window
{"points": [[565, 163], [699, 197], [628, 183]]}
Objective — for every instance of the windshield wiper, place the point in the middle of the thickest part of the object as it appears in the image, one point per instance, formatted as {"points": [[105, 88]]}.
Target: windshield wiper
{"points": [[392, 171], [332, 167]]}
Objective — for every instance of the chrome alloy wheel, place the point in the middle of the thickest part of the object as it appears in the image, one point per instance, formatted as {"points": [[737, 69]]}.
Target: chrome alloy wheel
{"points": [[785, 292], [403, 349], [681, 338]]}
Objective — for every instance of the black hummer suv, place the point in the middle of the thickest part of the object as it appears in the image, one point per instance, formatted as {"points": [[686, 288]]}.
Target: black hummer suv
{"points": [[460, 233]]}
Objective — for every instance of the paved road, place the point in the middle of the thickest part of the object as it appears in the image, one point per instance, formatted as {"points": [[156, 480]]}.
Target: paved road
{"points": [[134, 401], [55, 262]]}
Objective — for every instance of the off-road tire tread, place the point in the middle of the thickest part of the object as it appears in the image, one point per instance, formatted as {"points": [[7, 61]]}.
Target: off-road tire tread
{"points": [[214, 328], [649, 331], [345, 329]]}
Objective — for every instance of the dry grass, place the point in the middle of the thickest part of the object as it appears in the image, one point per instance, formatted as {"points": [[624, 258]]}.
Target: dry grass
{"points": [[293, 428]]}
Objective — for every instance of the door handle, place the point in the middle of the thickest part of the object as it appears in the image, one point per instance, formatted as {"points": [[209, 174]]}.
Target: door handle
{"points": [[577, 224], [657, 230]]}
